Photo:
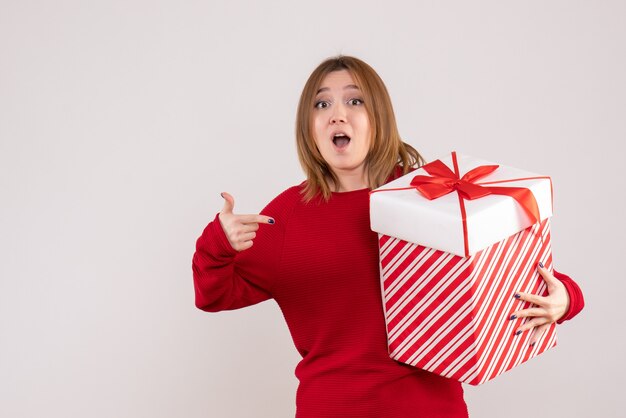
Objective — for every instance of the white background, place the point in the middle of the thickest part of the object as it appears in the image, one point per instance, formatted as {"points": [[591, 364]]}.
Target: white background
{"points": [[121, 121]]}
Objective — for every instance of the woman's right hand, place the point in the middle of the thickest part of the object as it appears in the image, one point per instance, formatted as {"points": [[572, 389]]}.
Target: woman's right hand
{"points": [[240, 229]]}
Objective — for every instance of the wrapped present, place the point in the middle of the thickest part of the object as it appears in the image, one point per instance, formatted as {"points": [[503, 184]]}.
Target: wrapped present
{"points": [[448, 293]]}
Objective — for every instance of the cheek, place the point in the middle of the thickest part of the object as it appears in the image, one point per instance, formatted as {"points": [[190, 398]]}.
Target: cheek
{"points": [[317, 127], [318, 134], [364, 125]]}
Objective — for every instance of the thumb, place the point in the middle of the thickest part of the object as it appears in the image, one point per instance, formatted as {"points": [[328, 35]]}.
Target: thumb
{"points": [[229, 203], [546, 274]]}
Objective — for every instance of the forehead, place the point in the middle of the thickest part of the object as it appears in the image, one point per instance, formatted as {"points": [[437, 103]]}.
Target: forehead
{"points": [[337, 80]]}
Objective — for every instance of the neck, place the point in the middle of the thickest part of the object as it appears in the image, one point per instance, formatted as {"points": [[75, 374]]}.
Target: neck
{"points": [[349, 182]]}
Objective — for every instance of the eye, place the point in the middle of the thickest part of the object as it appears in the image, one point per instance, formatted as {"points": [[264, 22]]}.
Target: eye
{"points": [[355, 102], [321, 104]]}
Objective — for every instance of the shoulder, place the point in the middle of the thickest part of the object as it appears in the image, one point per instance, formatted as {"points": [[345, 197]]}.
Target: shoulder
{"points": [[398, 172], [282, 205], [290, 195]]}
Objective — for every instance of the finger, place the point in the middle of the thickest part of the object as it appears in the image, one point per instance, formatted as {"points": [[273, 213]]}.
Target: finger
{"points": [[259, 219], [525, 313], [239, 236], [535, 322], [244, 245], [247, 236], [229, 203], [250, 227], [538, 333], [529, 297], [546, 274]]}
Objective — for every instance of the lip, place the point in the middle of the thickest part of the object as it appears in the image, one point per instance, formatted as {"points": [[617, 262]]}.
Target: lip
{"points": [[341, 149], [337, 132]]}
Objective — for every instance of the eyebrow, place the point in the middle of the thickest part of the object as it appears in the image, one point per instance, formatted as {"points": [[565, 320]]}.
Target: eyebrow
{"points": [[349, 86]]}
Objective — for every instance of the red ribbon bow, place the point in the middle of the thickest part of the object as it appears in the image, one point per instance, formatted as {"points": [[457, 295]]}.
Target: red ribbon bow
{"points": [[442, 181]]}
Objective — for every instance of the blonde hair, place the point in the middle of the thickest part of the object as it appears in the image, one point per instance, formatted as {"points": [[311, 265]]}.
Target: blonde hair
{"points": [[386, 148]]}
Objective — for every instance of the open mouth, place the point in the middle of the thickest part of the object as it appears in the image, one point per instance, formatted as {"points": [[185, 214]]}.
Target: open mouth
{"points": [[341, 140]]}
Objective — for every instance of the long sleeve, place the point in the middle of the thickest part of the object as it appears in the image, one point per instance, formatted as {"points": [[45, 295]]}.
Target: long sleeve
{"points": [[576, 299], [216, 282], [225, 279]]}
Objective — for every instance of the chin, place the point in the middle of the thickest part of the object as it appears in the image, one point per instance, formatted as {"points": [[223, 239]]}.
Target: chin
{"points": [[346, 167]]}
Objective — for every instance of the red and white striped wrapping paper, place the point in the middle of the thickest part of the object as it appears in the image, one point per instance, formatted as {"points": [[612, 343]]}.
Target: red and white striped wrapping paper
{"points": [[450, 315]]}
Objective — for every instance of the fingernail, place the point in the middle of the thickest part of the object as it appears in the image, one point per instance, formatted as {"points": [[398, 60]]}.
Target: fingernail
{"points": [[517, 296], [270, 221], [513, 317], [540, 264], [222, 194], [518, 332]]}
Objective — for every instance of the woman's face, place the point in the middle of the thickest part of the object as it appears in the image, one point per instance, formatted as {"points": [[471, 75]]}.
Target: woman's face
{"points": [[341, 124]]}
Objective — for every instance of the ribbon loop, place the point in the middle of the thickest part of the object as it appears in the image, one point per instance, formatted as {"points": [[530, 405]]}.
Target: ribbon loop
{"points": [[479, 172]]}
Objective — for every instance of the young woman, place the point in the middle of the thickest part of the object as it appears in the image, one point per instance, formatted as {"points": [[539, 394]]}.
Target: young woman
{"points": [[311, 249]]}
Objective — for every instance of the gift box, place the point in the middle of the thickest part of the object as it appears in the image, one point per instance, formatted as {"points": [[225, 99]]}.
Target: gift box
{"points": [[458, 238]]}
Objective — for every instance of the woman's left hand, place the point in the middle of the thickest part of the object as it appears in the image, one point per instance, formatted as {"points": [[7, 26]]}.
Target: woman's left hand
{"points": [[546, 309]]}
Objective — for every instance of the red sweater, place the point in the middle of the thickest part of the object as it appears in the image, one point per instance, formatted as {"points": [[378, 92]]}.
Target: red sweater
{"points": [[319, 261]]}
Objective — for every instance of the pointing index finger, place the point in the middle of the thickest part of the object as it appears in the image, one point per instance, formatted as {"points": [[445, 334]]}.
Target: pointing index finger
{"points": [[258, 219]]}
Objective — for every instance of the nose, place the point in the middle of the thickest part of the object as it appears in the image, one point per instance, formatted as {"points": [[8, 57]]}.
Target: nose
{"points": [[338, 115]]}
